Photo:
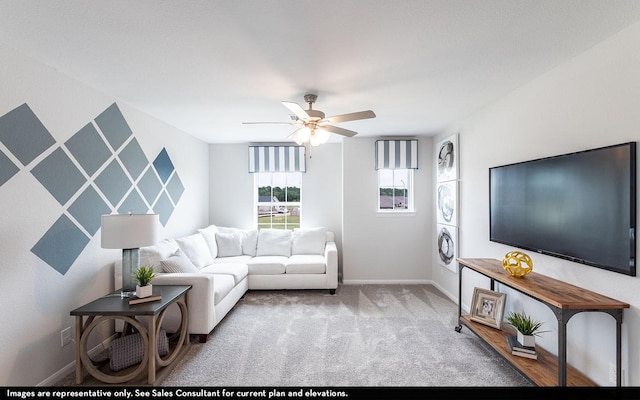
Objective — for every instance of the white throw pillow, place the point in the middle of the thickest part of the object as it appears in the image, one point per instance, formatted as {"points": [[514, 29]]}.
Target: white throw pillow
{"points": [[179, 262], [209, 234], [196, 248], [152, 255], [308, 241], [229, 244], [274, 242]]}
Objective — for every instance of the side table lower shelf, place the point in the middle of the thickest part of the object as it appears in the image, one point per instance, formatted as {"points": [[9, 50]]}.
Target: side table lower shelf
{"points": [[542, 372]]}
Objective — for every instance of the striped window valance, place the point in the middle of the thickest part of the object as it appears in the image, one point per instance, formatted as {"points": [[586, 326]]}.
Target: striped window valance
{"points": [[397, 154], [277, 159]]}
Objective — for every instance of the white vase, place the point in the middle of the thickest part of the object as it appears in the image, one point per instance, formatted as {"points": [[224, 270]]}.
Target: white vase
{"points": [[144, 291], [526, 340]]}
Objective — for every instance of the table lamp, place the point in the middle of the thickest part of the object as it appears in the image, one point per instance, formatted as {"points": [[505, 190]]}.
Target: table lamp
{"points": [[129, 232]]}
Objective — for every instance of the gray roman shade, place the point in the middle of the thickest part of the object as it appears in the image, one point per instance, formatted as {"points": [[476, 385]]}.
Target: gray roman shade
{"points": [[397, 154], [277, 159]]}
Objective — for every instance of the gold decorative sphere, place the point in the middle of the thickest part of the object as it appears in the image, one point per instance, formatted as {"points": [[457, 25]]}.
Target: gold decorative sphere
{"points": [[517, 264]]}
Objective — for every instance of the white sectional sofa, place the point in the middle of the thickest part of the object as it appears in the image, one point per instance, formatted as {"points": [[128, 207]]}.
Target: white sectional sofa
{"points": [[222, 263]]}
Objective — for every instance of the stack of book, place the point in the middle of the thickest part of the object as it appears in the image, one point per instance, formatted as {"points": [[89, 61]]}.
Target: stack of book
{"points": [[519, 350]]}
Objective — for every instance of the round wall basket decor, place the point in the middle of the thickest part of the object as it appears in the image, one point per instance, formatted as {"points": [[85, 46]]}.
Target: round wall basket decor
{"points": [[517, 263]]}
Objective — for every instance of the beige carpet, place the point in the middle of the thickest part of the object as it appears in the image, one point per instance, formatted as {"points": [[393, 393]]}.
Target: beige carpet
{"points": [[363, 336], [371, 335]]}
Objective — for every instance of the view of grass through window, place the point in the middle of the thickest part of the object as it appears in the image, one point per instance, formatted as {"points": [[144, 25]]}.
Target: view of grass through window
{"points": [[278, 200]]}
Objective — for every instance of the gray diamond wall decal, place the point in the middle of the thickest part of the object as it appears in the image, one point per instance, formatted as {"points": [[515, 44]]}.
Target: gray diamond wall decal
{"points": [[63, 171], [24, 135]]}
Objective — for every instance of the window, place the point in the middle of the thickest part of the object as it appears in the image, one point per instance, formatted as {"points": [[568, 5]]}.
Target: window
{"points": [[395, 190], [278, 199]]}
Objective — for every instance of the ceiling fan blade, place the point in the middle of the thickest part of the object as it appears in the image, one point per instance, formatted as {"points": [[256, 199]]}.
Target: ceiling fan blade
{"points": [[339, 131], [277, 123], [294, 132], [297, 110], [350, 117]]}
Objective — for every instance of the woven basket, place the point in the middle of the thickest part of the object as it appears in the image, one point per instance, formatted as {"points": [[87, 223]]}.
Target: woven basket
{"points": [[129, 350]]}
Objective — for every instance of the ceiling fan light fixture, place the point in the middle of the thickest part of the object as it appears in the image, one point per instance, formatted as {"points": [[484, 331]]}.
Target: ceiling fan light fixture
{"points": [[302, 136], [319, 136]]}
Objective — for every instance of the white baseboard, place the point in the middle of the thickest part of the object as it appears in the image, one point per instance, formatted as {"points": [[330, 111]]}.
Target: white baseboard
{"points": [[387, 282]]}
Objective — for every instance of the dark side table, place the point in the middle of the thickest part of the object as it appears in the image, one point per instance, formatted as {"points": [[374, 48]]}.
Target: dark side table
{"points": [[113, 307]]}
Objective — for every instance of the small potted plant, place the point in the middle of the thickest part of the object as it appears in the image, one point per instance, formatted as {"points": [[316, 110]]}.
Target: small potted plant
{"points": [[527, 328], [144, 275]]}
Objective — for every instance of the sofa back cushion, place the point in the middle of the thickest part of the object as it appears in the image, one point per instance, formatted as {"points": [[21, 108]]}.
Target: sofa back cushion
{"points": [[229, 244], [178, 262], [209, 234], [274, 242], [248, 241], [196, 248], [308, 241]]}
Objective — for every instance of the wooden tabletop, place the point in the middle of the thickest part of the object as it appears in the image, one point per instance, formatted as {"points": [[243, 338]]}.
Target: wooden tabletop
{"points": [[112, 304], [552, 291]]}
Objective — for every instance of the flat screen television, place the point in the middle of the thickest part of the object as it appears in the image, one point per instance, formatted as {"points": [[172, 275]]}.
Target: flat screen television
{"points": [[579, 206]]}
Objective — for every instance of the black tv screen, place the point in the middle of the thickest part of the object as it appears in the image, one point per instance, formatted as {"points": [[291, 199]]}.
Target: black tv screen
{"points": [[579, 206]]}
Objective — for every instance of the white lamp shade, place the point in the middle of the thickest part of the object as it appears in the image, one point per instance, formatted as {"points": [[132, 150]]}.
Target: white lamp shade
{"points": [[129, 231]]}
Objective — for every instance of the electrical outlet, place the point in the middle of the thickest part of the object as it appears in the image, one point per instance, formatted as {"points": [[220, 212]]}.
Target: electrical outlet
{"points": [[65, 336], [613, 376]]}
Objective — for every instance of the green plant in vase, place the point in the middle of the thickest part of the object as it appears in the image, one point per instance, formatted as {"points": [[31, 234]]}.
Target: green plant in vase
{"points": [[143, 275], [526, 326]]}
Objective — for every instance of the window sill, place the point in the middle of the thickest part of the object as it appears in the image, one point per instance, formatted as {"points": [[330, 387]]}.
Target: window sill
{"points": [[395, 214]]}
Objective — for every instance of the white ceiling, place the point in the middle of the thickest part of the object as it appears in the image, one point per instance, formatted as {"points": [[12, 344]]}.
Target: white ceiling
{"points": [[206, 66]]}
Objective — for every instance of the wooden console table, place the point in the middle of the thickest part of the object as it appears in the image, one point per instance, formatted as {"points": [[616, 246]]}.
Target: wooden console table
{"points": [[113, 307], [565, 300]]}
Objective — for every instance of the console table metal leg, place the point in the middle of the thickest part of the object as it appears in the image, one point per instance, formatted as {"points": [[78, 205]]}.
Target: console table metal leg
{"points": [[618, 317], [562, 351], [458, 328]]}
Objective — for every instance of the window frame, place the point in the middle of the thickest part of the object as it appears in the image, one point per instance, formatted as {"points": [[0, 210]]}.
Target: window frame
{"points": [[290, 205], [409, 187]]}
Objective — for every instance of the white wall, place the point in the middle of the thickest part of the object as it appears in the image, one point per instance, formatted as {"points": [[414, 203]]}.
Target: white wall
{"points": [[36, 298], [382, 248], [591, 101]]}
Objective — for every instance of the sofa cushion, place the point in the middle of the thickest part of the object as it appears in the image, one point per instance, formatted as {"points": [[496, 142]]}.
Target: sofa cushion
{"points": [[209, 234], [229, 244], [305, 264], [267, 265], [196, 248], [250, 242], [308, 241], [179, 262], [152, 255], [274, 242], [249, 239], [238, 271]]}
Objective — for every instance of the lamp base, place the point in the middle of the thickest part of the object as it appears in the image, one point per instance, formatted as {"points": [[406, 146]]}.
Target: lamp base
{"points": [[130, 262]]}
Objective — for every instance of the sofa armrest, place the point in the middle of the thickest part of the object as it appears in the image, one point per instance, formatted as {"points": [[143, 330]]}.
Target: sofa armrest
{"points": [[200, 299], [331, 257]]}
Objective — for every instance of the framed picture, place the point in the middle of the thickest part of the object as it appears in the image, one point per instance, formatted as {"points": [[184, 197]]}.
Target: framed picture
{"points": [[487, 307], [447, 246], [447, 159], [447, 203]]}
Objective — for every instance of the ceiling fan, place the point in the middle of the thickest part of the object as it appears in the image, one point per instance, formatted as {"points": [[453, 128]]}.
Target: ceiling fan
{"points": [[314, 127]]}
